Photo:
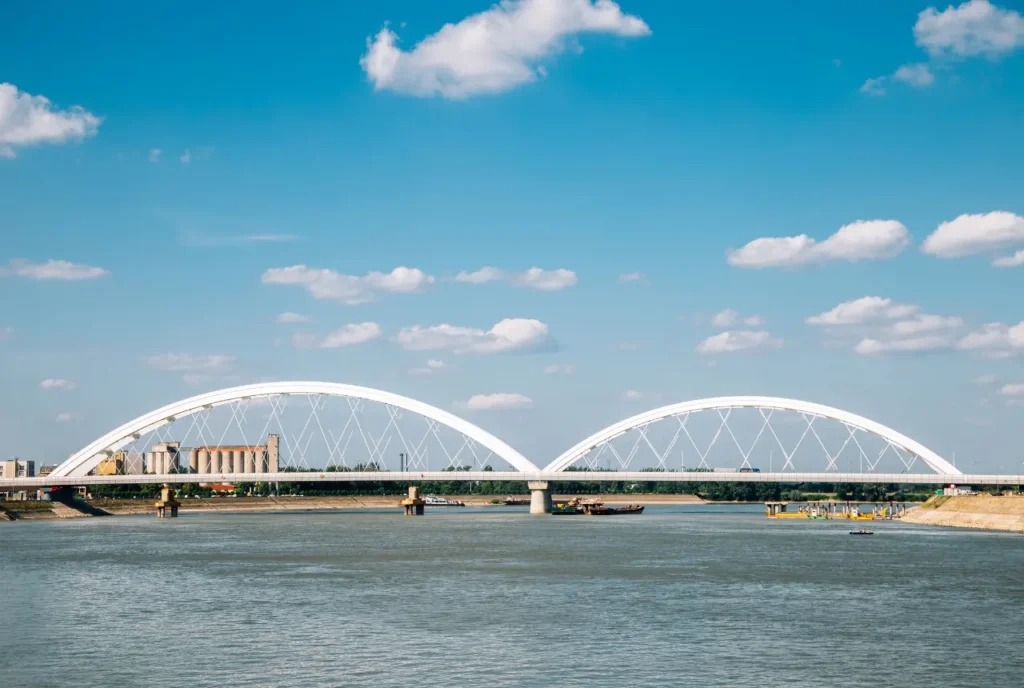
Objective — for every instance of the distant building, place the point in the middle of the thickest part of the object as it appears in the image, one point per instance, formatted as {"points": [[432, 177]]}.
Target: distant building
{"points": [[163, 458], [236, 459], [121, 463], [17, 468], [46, 470]]}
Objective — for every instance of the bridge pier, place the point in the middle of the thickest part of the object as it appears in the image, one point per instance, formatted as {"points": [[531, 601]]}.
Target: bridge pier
{"points": [[540, 497], [167, 507]]}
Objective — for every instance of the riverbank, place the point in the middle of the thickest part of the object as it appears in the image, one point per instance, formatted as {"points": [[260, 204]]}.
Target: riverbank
{"points": [[974, 511], [123, 507]]}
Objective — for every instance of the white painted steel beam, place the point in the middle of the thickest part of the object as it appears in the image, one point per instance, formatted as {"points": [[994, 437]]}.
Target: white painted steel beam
{"points": [[87, 458], [577, 452]]}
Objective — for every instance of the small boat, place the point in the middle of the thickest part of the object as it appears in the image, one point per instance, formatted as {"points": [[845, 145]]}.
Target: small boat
{"points": [[431, 500], [516, 501], [862, 531]]}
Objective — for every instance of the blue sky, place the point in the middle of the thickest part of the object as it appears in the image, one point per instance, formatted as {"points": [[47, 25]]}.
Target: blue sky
{"points": [[188, 161]]}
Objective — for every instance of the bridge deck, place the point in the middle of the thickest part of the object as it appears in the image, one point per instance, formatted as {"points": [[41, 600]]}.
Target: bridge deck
{"points": [[555, 476]]}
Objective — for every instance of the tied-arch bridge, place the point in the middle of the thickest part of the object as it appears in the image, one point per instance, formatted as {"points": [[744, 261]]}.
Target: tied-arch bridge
{"points": [[81, 468]]}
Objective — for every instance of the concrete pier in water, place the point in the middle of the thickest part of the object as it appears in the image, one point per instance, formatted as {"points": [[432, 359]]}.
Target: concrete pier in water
{"points": [[540, 497]]}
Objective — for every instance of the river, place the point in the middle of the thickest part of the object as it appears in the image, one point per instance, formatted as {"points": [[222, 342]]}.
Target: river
{"points": [[680, 596]]}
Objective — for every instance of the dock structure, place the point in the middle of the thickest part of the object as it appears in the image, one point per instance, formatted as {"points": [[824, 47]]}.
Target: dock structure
{"points": [[413, 504], [167, 503]]}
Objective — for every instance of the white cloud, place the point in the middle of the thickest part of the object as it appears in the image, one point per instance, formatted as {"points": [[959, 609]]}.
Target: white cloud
{"points": [[927, 343], [730, 318], [1012, 390], [860, 240], [862, 310], [874, 87], [349, 289], [985, 379], [433, 366], [56, 383], [995, 340], [534, 278], [925, 322], [974, 28], [918, 75], [972, 234], [66, 417], [559, 369], [1014, 261], [737, 340], [204, 240], [347, 335], [499, 400], [51, 270], [632, 277], [511, 334], [492, 51], [188, 363], [154, 155], [186, 157], [632, 395], [26, 120], [290, 318]]}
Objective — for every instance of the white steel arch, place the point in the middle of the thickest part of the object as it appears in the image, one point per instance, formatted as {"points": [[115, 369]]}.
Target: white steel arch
{"points": [[934, 461], [89, 457]]}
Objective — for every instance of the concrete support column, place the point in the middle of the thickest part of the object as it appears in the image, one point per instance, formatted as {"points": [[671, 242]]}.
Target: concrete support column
{"points": [[204, 461], [250, 462], [215, 461], [540, 497], [193, 461], [236, 461]]}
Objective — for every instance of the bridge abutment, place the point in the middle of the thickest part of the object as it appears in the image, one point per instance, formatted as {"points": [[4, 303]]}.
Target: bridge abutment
{"points": [[540, 497]]}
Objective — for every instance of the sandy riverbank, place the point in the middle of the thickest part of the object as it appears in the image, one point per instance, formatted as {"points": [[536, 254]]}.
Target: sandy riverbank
{"points": [[975, 511], [48, 510]]}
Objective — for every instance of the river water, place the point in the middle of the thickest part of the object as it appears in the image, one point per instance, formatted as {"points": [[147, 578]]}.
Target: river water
{"points": [[682, 595]]}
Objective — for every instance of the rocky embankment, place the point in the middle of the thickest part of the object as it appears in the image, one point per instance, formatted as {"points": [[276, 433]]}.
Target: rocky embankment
{"points": [[975, 511]]}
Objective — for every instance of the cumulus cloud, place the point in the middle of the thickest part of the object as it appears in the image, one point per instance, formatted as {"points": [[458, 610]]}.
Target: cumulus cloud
{"points": [[985, 379], [927, 343], [874, 87], [995, 340], [632, 395], [154, 155], [974, 28], [56, 383], [27, 120], [493, 51], [432, 366], [498, 400], [66, 417], [925, 322], [511, 334], [973, 234], [347, 335], [349, 289], [51, 270], [559, 369], [730, 318], [632, 277], [1014, 261], [534, 278], [1012, 390], [862, 310], [732, 341], [860, 240], [188, 363], [918, 75], [290, 318]]}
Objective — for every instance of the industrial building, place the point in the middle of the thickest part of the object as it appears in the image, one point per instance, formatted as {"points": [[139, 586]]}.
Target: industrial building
{"points": [[219, 459], [17, 468], [163, 458], [121, 463]]}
